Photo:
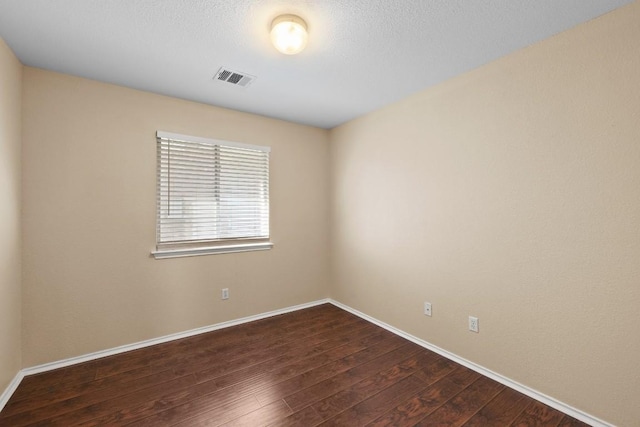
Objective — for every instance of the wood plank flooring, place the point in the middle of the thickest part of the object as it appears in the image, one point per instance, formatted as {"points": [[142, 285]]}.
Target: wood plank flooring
{"points": [[320, 366]]}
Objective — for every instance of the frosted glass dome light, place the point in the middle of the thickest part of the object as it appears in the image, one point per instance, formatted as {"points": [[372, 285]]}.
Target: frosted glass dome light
{"points": [[289, 34]]}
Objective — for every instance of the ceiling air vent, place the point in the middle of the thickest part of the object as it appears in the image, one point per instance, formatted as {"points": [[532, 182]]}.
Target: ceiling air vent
{"points": [[234, 77]]}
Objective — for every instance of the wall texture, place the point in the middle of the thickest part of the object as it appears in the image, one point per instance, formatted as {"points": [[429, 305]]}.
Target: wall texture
{"points": [[89, 219], [511, 193], [10, 240]]}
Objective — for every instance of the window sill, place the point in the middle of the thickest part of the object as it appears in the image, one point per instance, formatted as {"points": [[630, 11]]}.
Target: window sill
{"points": [[211, 250]]}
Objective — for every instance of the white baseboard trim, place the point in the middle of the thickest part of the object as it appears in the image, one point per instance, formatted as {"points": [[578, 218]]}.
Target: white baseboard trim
{"points": [[11, 388], [534, 394], [4, 398]]}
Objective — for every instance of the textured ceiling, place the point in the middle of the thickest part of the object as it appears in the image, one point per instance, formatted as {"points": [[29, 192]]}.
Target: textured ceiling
{"points": [[362, 54]]}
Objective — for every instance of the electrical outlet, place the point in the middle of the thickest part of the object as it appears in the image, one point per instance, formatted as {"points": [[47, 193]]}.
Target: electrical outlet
{"points": [[427, 308], [473, 324], [225, 293]]}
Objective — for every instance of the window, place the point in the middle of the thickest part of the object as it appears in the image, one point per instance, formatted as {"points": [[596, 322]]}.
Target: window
{"points": [[212, 196]]}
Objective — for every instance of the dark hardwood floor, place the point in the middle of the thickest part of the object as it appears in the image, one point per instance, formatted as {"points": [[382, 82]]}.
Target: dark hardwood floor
{"points": [[318, 366]]}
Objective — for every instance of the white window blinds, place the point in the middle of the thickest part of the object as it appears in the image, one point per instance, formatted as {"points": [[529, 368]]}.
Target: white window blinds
{"points": [[210, 190]]}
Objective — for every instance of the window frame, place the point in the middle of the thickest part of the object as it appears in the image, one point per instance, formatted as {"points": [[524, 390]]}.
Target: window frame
{"points": [[204, 246]]}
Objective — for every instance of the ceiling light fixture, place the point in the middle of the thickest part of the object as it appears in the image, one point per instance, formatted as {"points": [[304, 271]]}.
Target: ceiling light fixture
{"points": [[289, 34]]}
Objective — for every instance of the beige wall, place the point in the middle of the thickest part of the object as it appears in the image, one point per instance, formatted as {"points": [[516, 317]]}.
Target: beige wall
{"points": [[10, 145], [89, 219], [511, 193]]}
